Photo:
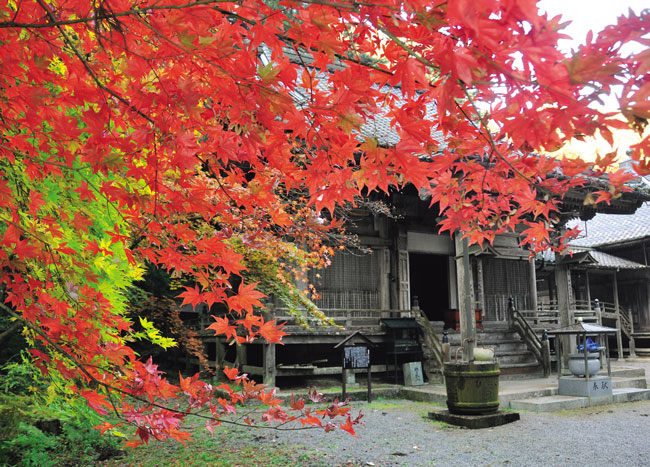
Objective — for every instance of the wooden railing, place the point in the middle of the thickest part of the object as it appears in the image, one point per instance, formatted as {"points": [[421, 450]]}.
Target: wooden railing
{"points": [[346, 318], [548, 315], [431, 339], [540, 349]]}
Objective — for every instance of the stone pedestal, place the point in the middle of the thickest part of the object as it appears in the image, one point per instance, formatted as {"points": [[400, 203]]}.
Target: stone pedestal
{"points": [[475, 421], [598, 386]]}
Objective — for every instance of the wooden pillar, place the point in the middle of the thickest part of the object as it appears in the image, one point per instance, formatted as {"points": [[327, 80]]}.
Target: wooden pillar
{"points": [[453, 284], [404, 285], [384, 278], [269, 364], [394, 276], [563, 284], [532, 273], [220, 353], [242, 356], [465, 299], [619, 338], [644, 318], [632, 344], [481, 287], [589, 304]]}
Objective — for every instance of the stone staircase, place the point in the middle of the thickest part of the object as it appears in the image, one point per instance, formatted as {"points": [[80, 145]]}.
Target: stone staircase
{"points": [[628, 385], [540, 394], [510, 350]]}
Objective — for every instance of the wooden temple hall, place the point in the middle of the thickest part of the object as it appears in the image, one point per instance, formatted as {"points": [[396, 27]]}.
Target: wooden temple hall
{"points": [[402, 291]]}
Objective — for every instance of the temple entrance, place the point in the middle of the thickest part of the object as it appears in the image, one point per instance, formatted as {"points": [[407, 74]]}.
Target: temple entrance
{"points": [[429, 278]]}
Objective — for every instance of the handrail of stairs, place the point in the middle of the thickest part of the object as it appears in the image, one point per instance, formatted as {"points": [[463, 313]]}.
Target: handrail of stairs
{"points": [[627, 328], [624, 322], [539, 348], [431, 339]]}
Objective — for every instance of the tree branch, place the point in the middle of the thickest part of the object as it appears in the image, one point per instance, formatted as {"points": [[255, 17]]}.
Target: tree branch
{"points": [[9, 331]]}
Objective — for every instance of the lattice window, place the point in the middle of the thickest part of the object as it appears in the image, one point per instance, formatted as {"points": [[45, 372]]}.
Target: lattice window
{"points": [[351, 282], [503, 278]]}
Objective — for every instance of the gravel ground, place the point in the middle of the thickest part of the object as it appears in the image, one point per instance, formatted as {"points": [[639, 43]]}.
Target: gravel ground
{"points": [[398, 433]]}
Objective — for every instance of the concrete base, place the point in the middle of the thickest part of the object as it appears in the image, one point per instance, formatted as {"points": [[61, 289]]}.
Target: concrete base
{"points": [[597, 386], [555, 403], [475, 421]]}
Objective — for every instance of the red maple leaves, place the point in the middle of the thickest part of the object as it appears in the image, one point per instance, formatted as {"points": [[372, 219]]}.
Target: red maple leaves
{"points": [[201, 133]]}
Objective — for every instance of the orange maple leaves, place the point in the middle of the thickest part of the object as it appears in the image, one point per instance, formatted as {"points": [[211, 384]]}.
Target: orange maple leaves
{"points": [[241, 125]]}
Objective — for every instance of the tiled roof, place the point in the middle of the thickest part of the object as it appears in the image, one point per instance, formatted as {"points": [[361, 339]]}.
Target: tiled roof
{"points": [[592, 259], [378, 126], [605, 229], [605, 260]]}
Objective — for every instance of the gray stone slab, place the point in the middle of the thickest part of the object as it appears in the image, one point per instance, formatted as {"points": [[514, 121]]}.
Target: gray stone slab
{"points": [[598, 386], [475, 422], [550, 403], [625, 382], [630, 395]]}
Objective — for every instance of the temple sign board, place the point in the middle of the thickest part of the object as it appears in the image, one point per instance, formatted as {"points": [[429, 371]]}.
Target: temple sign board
{"points": [[355, 355]]}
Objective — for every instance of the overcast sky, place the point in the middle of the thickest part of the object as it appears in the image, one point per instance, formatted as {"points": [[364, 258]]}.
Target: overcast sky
{"points": [[588, 15], [593, 15]]}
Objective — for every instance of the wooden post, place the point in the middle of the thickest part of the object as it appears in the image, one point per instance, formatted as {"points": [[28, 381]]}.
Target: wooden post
{"points": [[546, 357], [269, 365], [562, 283], [404, 285], [242, 356], [384, 278], [532, 273], [632, 344], [369, 375], [220, 352], [481, 287], [467, 317], [619, 337]]}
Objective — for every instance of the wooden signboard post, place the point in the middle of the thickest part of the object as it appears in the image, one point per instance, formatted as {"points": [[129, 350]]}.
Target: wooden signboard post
{"points": [[355, 356]]}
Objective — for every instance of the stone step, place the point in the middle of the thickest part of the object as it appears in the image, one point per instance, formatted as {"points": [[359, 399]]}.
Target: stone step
{"points": [[626, 372], [505, 345], [491, 337], [622, 382], [517, 370], [554, 403], [516, 357]]}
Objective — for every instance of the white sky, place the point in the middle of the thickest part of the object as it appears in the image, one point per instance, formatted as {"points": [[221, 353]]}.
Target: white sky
{"points": [[588, 15], [593, 15]]}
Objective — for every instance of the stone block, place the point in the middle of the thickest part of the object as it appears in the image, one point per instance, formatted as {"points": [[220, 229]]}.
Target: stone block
{"points": [[598, 386], [413, 374]]}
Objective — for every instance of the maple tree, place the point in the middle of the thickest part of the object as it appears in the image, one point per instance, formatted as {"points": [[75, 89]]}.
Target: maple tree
{"points": [[192, 134]]}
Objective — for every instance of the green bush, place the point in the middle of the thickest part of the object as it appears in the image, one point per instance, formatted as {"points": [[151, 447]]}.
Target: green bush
{"points": [[37, 432]]}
